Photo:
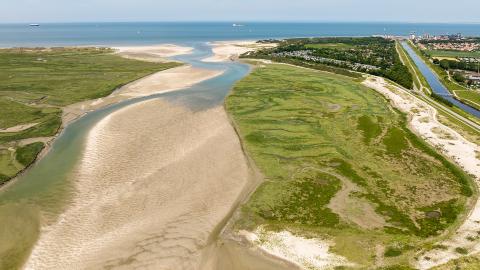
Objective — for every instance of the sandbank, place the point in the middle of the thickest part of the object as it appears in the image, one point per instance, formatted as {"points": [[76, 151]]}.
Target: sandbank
{"points": [[160, 82], [154, 53], [154, 182], [231, 50]]}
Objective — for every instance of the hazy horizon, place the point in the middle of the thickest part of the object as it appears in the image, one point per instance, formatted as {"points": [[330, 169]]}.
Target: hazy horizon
{"points": [[301, 11]]}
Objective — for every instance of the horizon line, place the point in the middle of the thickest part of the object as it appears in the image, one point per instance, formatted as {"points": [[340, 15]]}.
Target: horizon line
{"points": [[243, 21]]}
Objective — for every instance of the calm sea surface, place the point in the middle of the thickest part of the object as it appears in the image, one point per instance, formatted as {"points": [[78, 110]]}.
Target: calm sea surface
{"points": [[54, 34]]}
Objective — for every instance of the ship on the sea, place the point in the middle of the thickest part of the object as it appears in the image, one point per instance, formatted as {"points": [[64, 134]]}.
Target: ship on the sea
{"points": [[34, 24]]}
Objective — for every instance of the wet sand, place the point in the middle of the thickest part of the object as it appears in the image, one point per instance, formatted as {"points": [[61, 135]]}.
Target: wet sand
{"points": [[155, 187], [160, 82], [154, 53], [154, 182]]}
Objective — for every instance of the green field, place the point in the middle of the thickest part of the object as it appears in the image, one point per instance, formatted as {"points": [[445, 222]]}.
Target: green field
{"points": [[340, 163], [36, 83], [469, 96], [453, 54], [338, 46]]}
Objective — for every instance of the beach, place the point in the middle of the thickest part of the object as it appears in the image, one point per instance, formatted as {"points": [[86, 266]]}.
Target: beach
{"points": [[157, 208], [231, 50], [154, 187], [160, 82]]}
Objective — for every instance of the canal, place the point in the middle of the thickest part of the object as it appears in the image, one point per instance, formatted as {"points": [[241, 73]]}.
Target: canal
{"points": [[437, 86]]}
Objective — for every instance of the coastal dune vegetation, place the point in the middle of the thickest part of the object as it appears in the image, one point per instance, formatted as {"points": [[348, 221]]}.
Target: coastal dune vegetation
{"points": [[35, 84], [340, 164], [373, 55]]}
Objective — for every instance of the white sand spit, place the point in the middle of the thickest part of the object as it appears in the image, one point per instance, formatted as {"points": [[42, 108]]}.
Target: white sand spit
{"points": [[154, 182], [230, 50], [423, 121], [155, 53], [160, 82], [170, 79], [306, 253]]}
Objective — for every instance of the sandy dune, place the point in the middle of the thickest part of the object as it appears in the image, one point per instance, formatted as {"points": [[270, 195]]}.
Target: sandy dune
{"points": [[230, 50], [423, 120], [154, 182]]}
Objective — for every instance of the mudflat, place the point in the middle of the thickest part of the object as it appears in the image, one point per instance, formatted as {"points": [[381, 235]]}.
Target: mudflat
{"points": [[157, 208]]}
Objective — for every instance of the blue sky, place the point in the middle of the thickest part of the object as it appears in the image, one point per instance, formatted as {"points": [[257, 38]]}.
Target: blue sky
{"points": [[239, 10]]}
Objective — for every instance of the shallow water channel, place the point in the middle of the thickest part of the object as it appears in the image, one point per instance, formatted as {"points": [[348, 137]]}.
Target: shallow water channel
{"points": [[39, 196]]}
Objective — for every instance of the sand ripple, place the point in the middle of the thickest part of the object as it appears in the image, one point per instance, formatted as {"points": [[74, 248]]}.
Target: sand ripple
{"points": [[154, 182]]}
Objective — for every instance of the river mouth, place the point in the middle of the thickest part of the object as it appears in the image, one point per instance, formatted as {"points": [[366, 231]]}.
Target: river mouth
{"points": [[40, 195]]}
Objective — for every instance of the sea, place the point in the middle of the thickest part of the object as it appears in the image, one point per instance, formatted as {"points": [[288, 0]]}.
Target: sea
{"points": [[136, 33], [40, 195]]}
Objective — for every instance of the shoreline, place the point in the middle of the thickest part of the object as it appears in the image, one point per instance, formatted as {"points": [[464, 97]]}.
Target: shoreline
{"points": [[73, 112], [133, 90], [191, 142], [224, 51]]}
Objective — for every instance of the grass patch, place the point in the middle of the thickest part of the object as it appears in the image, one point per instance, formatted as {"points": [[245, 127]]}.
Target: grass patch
{"points": [[461, 250], [392, 252], [27, 154], [36, 83], [303, 146], [338, 46], [451, 54]]}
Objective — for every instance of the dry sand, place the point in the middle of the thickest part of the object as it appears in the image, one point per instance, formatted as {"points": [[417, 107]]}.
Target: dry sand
{"points": [[423, 121], [231, 50], [156, 53], [160, 82], [154, 182]]}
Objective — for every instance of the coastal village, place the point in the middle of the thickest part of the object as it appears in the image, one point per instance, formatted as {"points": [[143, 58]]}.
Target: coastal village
{"points": [[457, 48]]}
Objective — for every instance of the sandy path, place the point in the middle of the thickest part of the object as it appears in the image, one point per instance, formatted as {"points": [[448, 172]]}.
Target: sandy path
{"points": [[423, 121], [18, 128], [154, 182]]}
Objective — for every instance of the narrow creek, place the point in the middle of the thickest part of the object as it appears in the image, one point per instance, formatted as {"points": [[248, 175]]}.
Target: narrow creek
{"points": [[39, 196]]}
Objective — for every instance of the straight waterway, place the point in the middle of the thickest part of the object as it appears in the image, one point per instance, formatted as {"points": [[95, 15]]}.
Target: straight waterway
{"points": [[437, 87]]}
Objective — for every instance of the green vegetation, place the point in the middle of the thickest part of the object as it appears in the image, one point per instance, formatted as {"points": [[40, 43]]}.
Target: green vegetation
{"points": [[452, 54], [470, 97], [373, 55], [441, 99], [338, 46], [457, 87], [461, 250], [393, 252], [447, 118], [464, 263], [312, 133], [36, 83], [27, 154]]}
